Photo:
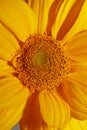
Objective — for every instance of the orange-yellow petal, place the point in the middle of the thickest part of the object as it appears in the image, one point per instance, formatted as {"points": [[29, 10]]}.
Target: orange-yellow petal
{"points": [[76, 125], [79, 66], [9, 117], [12, 92], [41, 127], [53, 108], [61, 15], [31, 119], [81, 22], [4, 32], [46, 127], [32, 116], [18, 18], [8, 44], [77, 47], [41, 9], [5, 68], [75, 93]]}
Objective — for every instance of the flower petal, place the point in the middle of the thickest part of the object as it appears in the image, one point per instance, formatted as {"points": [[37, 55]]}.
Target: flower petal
{"points": [[12, 92], [9, 37], [77, 47], [41, 9], [76, 125], [31, 119], [9, 117], [53, 108], [81, 22], [78, 66], [42, 127], [18, 18], [5, 68], [52, 16], [45, 127], [75, 93], [61, 15], [8, 44]]}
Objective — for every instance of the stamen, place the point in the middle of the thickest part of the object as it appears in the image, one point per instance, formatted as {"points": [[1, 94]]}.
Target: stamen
{"points": [[42, 63]]}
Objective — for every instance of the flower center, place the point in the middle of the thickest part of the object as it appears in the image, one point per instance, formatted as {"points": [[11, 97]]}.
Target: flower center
{"points": [[42, 63], [39, 60]]}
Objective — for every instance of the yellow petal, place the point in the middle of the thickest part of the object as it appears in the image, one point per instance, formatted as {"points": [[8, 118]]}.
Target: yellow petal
{"points": [[77, 41], [12, 92], [77, 47], [76, 125], [81, 22], [75, 93], [61, 15], [9, 117], [9, 37], [8, 44], [53, 108], [41, 9], [47, 110], [18, 18], [45, 127], [81, 78], [79, 66], [5, 68], [64, 110]]}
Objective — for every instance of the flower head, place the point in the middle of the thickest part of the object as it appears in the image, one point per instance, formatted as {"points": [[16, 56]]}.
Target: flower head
{"points": [[43, 64]]}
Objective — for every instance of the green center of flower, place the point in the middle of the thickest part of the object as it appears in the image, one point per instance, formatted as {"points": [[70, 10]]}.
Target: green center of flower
{"points": [[42, 63], [39, 59]]}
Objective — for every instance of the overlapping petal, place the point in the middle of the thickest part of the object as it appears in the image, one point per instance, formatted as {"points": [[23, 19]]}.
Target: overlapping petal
{"points": [[78, 66], [41, 9], [5, 68], [8, 44], [31, 119], [61, 15], [19, 19], [45, 127], [76, 125], [80, 23], [12, 92], [49, 113], [6, 34], [77, 47], [75, 93], [9, 117], [70, 19], [55, 112]]}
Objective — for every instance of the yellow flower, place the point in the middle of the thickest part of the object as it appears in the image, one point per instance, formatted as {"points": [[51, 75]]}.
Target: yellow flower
{"points": [[43, 64]]}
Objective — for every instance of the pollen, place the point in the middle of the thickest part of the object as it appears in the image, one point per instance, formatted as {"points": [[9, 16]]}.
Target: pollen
{"points": [[42, 63]]}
